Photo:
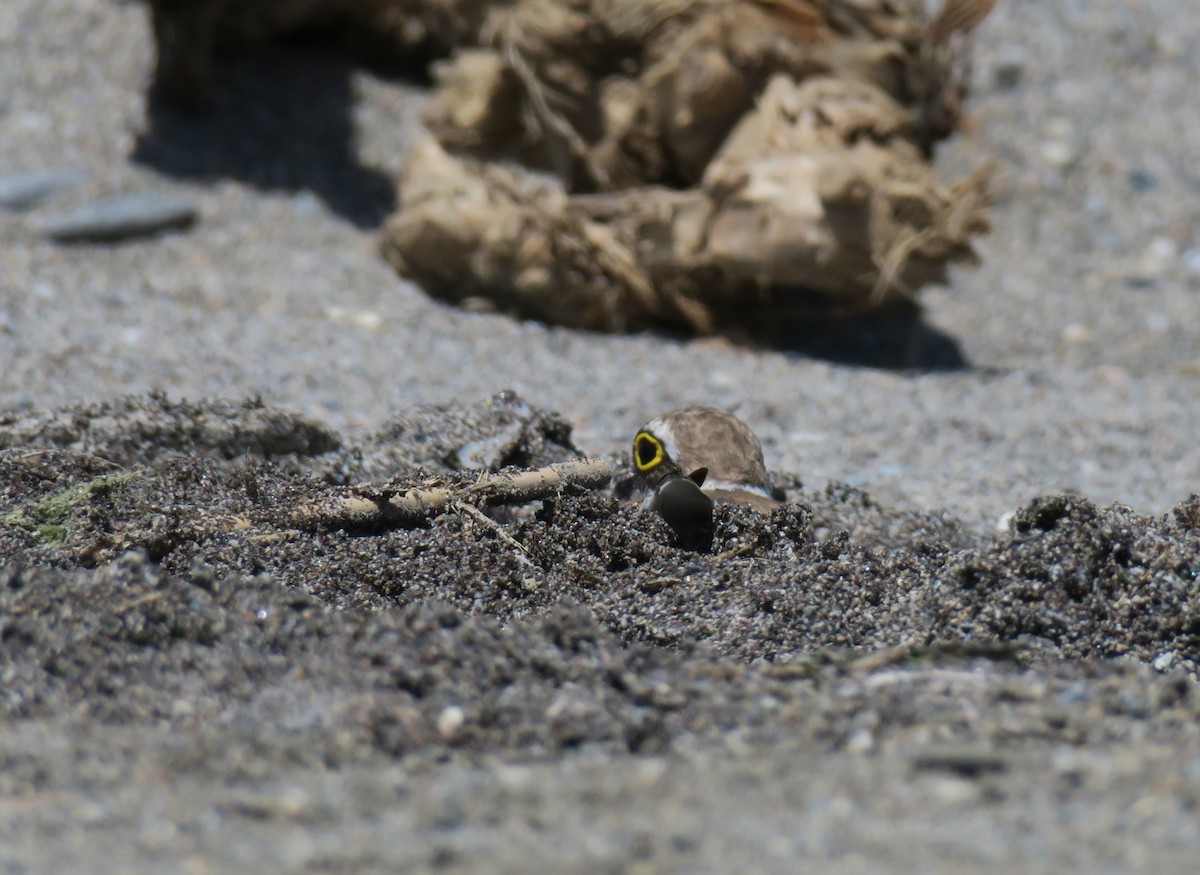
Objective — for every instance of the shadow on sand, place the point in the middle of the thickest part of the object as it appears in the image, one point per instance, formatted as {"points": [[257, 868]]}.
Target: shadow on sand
{"points": [[283, 121], [894, 339]]}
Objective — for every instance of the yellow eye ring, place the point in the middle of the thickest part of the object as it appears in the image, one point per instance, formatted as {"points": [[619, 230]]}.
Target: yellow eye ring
{"points": [[647, 451]]}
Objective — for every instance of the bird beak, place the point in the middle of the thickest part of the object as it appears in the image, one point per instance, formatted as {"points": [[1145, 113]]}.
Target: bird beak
{"points": [[685, 508]]}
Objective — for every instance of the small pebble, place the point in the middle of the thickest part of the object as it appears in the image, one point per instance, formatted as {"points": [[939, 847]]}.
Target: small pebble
{"points": [[722, 380], [1159, 323], [1170, 45], [489, 452], [1113, 375], [122, 217], [1057, 153], [449, 722], [1058, 148], [1097, 205], [24, 191], [1076, 334], [306, 204], [368, 320], [1010, 67], [862, 740], [1142, 181], [1158, 257], [965, 760], [953, 790]]}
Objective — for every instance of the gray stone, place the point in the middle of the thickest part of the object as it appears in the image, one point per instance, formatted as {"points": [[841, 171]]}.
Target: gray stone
{"points": [[966, 760], [1009, 66], [23, 191], [122, 217]]}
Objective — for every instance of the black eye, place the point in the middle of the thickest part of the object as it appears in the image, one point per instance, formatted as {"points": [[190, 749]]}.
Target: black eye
{"points": [[647, 451]]}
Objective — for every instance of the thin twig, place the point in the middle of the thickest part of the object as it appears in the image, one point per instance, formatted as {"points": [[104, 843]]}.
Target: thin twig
{"points": [[547, 115], [462, 508], [139, 601]]}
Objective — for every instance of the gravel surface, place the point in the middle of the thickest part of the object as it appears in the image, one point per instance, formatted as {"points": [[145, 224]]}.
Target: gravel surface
{"points": [[1068, 361]]}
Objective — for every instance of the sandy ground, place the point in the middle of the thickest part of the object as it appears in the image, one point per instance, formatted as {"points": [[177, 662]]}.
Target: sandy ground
{"points": [[230, 744]]}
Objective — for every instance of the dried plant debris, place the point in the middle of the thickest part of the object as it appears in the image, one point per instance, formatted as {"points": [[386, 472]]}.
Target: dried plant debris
{"points": [[707, 162], [390, 504], [710, 164], [793, 235], [616, 93], [499, 237]]}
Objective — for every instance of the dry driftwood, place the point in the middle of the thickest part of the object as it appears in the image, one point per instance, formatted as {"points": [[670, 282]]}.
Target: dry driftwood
{"points": [[383, 506], [500, 237], [609, 94], [745, 156], [712, 161], [844, 229]]}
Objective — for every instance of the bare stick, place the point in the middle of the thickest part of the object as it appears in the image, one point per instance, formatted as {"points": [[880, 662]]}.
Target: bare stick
{"points": [[384, 507], [464, 509]]}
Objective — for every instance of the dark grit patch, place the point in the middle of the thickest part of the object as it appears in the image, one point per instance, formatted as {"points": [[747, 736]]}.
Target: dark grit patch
{"points": [[137, 430], [242, 662], [835, 570], [176, 592]]}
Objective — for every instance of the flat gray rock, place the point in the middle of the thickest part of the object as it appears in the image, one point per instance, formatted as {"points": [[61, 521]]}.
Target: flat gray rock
{"points": [[122, 217], [23, 191]]}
